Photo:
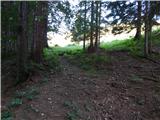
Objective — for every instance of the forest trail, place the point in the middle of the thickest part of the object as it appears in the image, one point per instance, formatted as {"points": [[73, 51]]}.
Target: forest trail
{"points": [[47, 75], [66, 96], [118, 93]]}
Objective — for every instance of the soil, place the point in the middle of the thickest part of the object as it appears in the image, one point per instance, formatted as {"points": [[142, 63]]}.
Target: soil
{"points": [[126, 89]]}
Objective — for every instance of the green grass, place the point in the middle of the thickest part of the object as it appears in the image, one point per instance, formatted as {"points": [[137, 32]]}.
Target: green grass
{"points": [[29, 93], [156, 37], [66, 50], [89, 62], [92, 62], [118, 45], [134, 47], [51, 59]]}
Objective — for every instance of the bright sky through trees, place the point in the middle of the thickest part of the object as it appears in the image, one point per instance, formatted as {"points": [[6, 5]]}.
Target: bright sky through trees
{"points": [[62, 37]]}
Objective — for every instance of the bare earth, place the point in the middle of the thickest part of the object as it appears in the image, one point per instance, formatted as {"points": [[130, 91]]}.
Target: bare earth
{"points": [[127, 89]]}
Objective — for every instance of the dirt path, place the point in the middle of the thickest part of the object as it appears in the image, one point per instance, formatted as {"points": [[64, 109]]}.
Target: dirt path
{"points": [[116, 94], [62, 95]]}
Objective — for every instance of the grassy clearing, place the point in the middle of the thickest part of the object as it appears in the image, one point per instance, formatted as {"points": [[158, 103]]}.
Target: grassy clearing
{"points": [[93, 62], [51, 55], [134, 47], [118, 45], [66, 50]]}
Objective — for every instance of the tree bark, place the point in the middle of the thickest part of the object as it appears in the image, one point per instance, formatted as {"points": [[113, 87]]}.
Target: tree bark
{"points": [[33, 43], [97, 26], [45, 12], [22, 43], [39, 32], [146, 52], [90, 48], [138, 24], [99, 32], [150, 17], [92, 17], [84, 38]]}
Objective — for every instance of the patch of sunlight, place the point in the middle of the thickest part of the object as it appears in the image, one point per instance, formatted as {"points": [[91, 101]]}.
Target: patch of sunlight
{"points": [[64, 39], [108, 37], [58, 39]]}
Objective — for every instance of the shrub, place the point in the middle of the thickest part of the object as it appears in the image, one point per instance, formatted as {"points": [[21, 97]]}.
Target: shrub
{"points": [[15, 102], [6, 115], [30, 93], [52, 59]]}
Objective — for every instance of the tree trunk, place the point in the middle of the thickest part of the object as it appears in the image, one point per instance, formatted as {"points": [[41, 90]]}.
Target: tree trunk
{"points": [[149, 36], [92, 17], [84, 38], [33, 43], [39, 33], [91, 48], [150, 17], [22, 43], [96, 40], [138, 24], [45, 12], [99, 32], [146, 52]]}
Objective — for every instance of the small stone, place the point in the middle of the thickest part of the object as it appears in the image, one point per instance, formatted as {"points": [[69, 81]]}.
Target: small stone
{"points": [[42, 114], [49, 98], [50, 102]]}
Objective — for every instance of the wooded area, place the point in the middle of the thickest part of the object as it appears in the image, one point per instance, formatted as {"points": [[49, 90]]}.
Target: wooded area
{"points": [[28, 60]]}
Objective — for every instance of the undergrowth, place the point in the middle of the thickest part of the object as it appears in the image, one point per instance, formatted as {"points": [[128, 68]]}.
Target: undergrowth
{"points": [[51, 59], [134, 47], [6, 115], [88, 61], [50, 62], [66, 50], [19, 97]]}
